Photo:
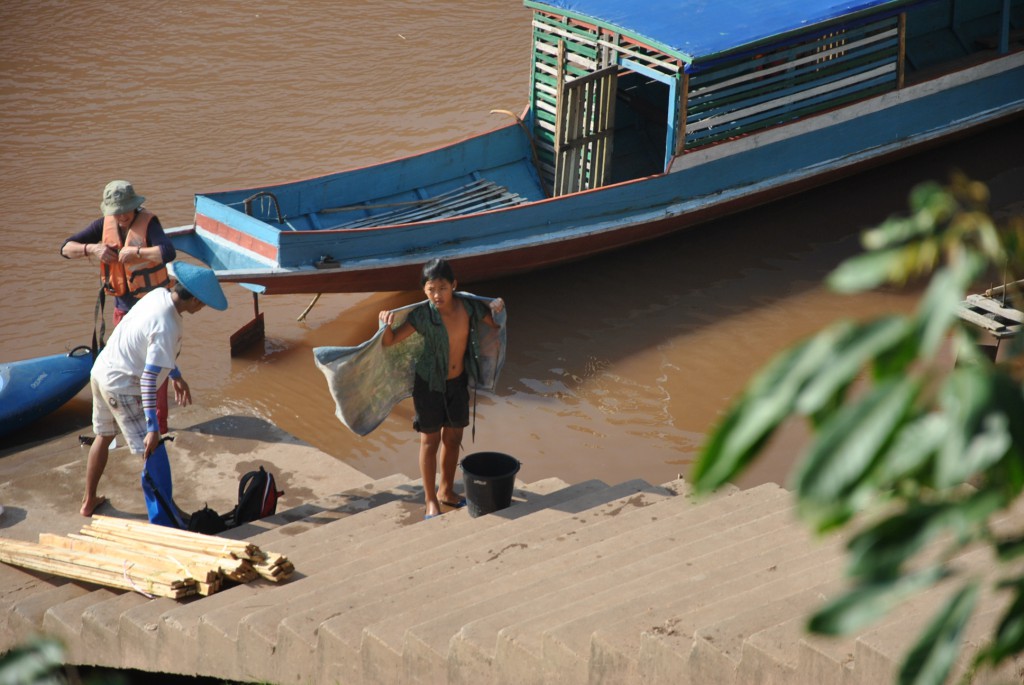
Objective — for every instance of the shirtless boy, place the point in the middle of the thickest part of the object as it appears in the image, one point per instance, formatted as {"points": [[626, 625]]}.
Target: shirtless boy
{"points": [[449, 325]]}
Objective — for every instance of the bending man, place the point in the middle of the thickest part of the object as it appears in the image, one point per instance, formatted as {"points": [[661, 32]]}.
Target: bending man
{"points": [[140, 355]]}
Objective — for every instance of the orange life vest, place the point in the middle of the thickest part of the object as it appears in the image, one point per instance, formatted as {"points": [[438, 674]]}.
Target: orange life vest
{"points": [[139, 277]]}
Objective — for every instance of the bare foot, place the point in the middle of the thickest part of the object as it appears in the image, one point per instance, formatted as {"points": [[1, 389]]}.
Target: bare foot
{"points": [[453, 501], [88, 508]]}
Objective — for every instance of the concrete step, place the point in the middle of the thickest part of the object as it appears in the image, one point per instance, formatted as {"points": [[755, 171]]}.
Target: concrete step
{"points": [[289, 530], [25, 617], [383, 510], [243, 636], [843, 660], [29, 502], [879, 651], [729, 571], [164, 635], [725, 549], [765, 636], [41, 484], [547, 589], [64, 620], [706, 645], [178, 629], [372, 573], [600, 515], [57, 455], [102, 626], [18, 586], [423, 642], [305, 517], [583, 583]]}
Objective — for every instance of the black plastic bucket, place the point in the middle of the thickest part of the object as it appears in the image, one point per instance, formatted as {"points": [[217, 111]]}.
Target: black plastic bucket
{"points": [[489, 478]]}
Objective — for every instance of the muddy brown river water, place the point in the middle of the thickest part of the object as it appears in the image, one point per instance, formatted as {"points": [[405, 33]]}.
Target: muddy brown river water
{"points": [[617, 365]]}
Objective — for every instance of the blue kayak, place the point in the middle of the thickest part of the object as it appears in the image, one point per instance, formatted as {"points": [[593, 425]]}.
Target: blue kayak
{"points": [[32, 388]]}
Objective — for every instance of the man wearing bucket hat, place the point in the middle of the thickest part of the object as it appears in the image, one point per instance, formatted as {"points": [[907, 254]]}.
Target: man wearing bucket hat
{"points": [[133, 252], [140, 354]]}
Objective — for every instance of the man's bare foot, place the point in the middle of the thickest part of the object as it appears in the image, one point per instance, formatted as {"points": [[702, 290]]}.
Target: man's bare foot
{"points": [[433, 509], [88, 508]]}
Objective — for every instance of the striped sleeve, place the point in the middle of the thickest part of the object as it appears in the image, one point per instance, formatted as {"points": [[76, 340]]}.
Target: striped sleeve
{"points": [[149, 387]]}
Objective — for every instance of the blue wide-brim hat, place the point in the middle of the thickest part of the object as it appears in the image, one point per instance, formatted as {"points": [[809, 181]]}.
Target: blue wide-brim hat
{"points": [[202, 283]]}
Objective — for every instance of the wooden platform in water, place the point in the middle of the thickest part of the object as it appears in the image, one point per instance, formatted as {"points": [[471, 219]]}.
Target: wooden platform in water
{"points": [[995, 315]]}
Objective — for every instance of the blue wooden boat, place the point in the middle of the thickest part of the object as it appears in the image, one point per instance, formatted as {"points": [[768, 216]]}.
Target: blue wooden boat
{"points": [[33, 388], [644, 117]]}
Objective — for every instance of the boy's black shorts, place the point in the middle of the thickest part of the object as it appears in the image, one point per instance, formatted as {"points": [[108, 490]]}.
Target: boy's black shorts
{"points": [[435, 410]]}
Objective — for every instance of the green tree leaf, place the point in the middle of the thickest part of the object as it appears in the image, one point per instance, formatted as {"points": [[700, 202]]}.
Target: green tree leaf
{"points": [[917, 442], [35, 663], [1010, 548], [866, 603], [765, 404], [937, 312], [894, 232], [1009, 638], [869, 270], [931, 659], [881, 549], [990, 443], [934, 201], [849, 444], [853, 352], [939, 450], [978, 434]]}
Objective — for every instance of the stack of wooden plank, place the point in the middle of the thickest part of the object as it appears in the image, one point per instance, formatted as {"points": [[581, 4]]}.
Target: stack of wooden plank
{"points": [[153, 560]]}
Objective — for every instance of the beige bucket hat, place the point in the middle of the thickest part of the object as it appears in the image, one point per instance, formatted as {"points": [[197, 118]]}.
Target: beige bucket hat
{"points": [[119, 198]]}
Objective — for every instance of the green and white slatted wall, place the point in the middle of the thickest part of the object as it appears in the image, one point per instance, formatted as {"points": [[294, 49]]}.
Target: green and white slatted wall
{"points": [[745, 93]]}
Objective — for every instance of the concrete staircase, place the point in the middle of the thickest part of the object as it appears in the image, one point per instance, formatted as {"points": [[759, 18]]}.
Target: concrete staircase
{"points": [[583, 583]]}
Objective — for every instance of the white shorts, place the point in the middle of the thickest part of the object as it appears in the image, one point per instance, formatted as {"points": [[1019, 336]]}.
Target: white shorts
{"points": [[111, 411]]}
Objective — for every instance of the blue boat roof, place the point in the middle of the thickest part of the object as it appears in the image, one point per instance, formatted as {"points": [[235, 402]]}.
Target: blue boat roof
{"points": [[698, 29]]}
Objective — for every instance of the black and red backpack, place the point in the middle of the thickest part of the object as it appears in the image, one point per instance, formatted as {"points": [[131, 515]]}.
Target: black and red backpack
{"points": [[257, 498]]}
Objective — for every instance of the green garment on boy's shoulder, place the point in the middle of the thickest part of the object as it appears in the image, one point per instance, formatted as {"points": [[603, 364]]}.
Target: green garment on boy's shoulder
{"points": [[368, 380], [432, 364]]}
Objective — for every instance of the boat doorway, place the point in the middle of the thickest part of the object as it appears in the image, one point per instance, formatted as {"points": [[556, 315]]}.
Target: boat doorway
{"points": [[604, 107], [612, 125], [642, 115]]}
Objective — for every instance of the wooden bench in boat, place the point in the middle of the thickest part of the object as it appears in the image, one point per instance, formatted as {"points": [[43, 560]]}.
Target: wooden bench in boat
{"points": [[478, 196]]}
